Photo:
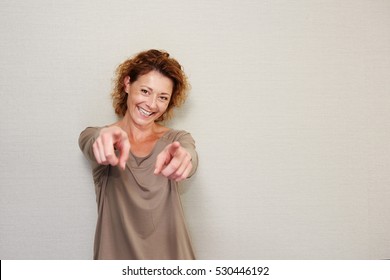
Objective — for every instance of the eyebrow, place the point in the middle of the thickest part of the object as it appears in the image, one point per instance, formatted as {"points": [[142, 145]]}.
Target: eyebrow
{"points": [[149, 88]]}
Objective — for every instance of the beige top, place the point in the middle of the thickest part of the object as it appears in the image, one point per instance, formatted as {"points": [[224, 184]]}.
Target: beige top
{"points": [[140, 215]]}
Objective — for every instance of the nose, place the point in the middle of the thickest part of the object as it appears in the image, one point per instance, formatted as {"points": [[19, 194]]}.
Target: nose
{"points": [[152, 102]]}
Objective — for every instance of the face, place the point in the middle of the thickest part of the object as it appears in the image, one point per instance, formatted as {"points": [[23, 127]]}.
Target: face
{"points": [[148, 97]]}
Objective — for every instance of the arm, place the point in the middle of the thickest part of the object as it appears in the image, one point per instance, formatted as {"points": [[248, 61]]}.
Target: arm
{"points": [[86, 139]]}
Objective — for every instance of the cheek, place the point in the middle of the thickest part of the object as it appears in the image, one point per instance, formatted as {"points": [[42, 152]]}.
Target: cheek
{"points": [[128, 102], [133, 99], [164, 107]]}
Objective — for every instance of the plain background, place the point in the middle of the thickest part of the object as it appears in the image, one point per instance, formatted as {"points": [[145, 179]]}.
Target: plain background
{"points": [[289, 106]]}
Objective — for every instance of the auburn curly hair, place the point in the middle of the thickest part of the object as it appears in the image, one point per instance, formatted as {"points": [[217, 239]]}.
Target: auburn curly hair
{"points": [[141, 64]]}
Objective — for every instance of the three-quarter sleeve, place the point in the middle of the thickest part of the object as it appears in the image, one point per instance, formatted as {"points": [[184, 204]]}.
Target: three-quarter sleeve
{"points": [[86, 139]]}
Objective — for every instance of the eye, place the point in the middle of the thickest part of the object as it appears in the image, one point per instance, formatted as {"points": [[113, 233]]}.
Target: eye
{"points": [[164, 98], [144, 91]]}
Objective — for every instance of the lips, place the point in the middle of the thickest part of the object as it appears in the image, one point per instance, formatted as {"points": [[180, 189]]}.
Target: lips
{"points": [[145, 112]]}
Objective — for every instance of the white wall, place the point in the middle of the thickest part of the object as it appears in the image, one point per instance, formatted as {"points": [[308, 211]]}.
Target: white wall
{"points": [[290, 108]]}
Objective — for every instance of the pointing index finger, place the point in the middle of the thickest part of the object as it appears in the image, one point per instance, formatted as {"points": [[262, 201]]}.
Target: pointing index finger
{"points": [[174, 147], [166, 156]]}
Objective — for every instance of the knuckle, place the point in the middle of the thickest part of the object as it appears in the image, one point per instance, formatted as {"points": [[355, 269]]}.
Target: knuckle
{"points": [[124, 135], [175, 165], [105, 136], [166, 173]]}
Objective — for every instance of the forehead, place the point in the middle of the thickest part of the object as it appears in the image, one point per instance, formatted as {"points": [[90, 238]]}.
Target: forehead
{"points": [[155, 81]]}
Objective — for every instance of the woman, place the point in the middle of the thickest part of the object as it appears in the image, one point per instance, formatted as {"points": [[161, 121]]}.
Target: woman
{"points": [[137, 164]]}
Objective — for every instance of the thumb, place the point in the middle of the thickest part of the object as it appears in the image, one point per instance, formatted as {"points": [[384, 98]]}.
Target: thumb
{"points": [[124, 154]]}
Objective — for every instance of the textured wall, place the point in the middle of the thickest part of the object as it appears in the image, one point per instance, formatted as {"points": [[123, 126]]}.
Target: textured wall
{"points": [[290, 108]]}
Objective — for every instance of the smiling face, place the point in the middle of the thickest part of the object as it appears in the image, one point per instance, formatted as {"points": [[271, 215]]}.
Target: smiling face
{"points": [[148, 97]]}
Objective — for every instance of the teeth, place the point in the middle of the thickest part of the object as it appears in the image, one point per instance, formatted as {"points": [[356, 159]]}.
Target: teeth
{"points": [[146, 113]]}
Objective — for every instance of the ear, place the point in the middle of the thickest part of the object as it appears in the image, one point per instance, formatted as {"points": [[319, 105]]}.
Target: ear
{"points": [[126, 81], [126, 84]]}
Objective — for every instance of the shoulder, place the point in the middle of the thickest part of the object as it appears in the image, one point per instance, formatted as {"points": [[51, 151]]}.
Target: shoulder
{"points": [[88, 132], [184, 137], [91, 129], [176, 135]]}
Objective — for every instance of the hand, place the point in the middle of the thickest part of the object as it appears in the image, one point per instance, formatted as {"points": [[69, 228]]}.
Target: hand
{"points": [[174, 162], [111, 138]]}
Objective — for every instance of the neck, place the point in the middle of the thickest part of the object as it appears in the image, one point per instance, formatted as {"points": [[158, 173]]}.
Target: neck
{"points": [[137, 132]]}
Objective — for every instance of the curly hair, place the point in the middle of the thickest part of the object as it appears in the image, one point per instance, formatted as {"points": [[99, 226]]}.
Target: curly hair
{"points": [[143, 63]]}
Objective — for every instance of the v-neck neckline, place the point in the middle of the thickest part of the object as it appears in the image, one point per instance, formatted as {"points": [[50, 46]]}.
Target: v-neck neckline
{"points": [[140, 159]]}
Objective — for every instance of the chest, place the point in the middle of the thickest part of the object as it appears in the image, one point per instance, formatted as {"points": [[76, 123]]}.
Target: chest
{"points": [[143, 149]]}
